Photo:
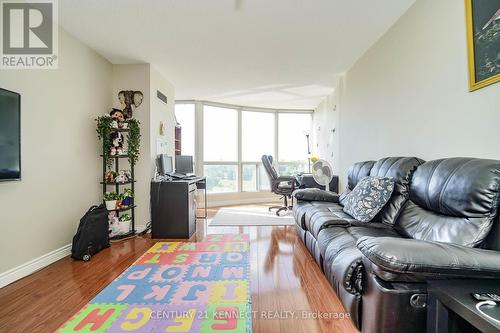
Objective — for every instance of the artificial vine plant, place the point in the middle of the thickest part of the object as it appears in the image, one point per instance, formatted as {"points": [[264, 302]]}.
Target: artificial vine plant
{"points": [[104, 130], [133, 141], [104, 133]]}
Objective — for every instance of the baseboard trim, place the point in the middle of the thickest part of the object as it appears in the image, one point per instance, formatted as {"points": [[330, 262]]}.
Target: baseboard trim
{"points": [[34, 265]]}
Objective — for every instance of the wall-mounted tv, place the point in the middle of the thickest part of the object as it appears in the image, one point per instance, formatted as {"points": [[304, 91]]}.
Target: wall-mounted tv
{"points": [[10, 135]]}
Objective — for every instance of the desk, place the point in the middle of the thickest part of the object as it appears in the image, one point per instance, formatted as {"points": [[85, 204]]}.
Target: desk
{"points": [[451, 307], [173, 207], [306, 180]]}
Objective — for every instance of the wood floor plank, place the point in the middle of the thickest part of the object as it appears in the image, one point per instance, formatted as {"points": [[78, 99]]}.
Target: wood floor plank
{"points": [[284, 278]]}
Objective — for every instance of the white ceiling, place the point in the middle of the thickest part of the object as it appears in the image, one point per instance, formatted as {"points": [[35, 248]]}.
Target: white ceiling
{"points": [[268, 53]]}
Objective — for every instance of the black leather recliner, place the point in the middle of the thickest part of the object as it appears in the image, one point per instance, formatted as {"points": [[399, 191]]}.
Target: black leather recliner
{"points": [[439, 223]]}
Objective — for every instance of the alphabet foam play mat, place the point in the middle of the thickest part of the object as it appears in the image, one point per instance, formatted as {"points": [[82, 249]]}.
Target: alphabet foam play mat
{"points": [[176, 287]]}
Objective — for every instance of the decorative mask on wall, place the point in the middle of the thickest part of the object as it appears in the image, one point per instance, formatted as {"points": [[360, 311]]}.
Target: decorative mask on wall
{"points": [[129, 101]]}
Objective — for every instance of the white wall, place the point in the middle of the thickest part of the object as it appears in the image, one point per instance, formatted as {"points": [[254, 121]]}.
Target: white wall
{"points": [[145, 78], [325, 131], [137, 77], [408, 95], [161, 112], [61, 167]]}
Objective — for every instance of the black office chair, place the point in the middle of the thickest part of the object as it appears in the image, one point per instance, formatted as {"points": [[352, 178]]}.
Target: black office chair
{"points": [[281, 185]]}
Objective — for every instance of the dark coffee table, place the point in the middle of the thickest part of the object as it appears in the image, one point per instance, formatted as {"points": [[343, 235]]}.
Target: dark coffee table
{"points": [[306, 180], [451, 307]]}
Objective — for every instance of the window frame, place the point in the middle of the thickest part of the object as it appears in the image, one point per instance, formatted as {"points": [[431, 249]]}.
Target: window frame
{"points": [[200, 161]]}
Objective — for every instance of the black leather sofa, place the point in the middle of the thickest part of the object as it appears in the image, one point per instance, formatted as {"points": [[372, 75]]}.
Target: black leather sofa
{"points": [[441, 222]]}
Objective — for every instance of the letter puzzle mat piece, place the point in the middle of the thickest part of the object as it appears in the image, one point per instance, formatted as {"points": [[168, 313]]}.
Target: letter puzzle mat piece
{"points": [[176, 287]]}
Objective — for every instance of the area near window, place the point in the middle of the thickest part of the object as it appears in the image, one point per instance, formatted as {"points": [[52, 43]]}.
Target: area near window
{"points": [[234, 138]]}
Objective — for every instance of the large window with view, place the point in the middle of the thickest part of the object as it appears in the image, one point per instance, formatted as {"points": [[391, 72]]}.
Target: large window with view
{"points": [[220, 149], [235, 138], [292, 143], [257, 139]]}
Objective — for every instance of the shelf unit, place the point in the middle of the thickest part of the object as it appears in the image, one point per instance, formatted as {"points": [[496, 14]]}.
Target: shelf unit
{"points": [[177, 140], [117, 186]]}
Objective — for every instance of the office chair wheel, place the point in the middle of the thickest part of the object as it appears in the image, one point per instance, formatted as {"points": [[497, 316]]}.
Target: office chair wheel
{"points": [[281, 209], [274, 207]]}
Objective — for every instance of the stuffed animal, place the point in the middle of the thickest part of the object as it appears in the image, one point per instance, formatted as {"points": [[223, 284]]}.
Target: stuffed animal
{"points": [[109, 176], [116, 144], [122, 177], [118, 119], [113, 224]]}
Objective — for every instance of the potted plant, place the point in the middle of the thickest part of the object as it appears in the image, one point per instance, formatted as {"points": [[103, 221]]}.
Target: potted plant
{"points": [[110, 199], [127, 197], [124, 223]]}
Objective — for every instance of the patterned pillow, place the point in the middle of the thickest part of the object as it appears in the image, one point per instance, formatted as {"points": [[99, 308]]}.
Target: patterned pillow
{"points": [[368, 197]]}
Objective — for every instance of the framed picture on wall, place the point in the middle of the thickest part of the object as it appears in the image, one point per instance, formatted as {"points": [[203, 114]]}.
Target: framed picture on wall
{"points": [[483, 42]]}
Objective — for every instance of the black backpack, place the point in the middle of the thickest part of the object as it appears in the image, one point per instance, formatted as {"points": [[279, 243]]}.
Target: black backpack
{"points": [[92, 235]]}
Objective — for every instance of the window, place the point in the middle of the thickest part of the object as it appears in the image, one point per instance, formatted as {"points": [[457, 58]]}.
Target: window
{"points": [[257, 135], [264, 184], [220, 144], [249, 177], [235, 138], [292, 143], [184, 114], [257, 139], [220, 128], [221, 178]]}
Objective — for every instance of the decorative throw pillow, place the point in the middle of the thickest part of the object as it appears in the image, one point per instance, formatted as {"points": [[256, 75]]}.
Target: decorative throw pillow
{"points": [[368, 197]]}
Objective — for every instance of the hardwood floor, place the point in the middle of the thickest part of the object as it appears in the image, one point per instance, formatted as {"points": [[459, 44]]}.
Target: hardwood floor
{"points": [[286, 285]]}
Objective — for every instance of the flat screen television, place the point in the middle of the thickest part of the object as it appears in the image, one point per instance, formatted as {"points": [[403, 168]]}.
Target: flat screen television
{"points": [[10, 135]]}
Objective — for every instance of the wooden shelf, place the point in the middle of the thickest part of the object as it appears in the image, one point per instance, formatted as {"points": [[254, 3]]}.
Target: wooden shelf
{"points": [[112, 184], [120, 129], [128, 234], [122, 209], [117, 156]]}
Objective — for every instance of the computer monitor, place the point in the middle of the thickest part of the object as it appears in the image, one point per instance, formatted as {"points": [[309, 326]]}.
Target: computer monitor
{"points": [[165, 164], [184, 164]]}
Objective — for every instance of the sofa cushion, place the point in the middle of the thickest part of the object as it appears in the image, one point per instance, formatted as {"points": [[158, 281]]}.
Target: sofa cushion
{"points": [[357, 172], [315, 194], [418, 223], [324, 219], [467, 187], [341, 257], [320, 207], [399, 259], [368, 197], [335, 239], [452, 200], [401, 169], [303, 210], [312, 245], [299, 211]]}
